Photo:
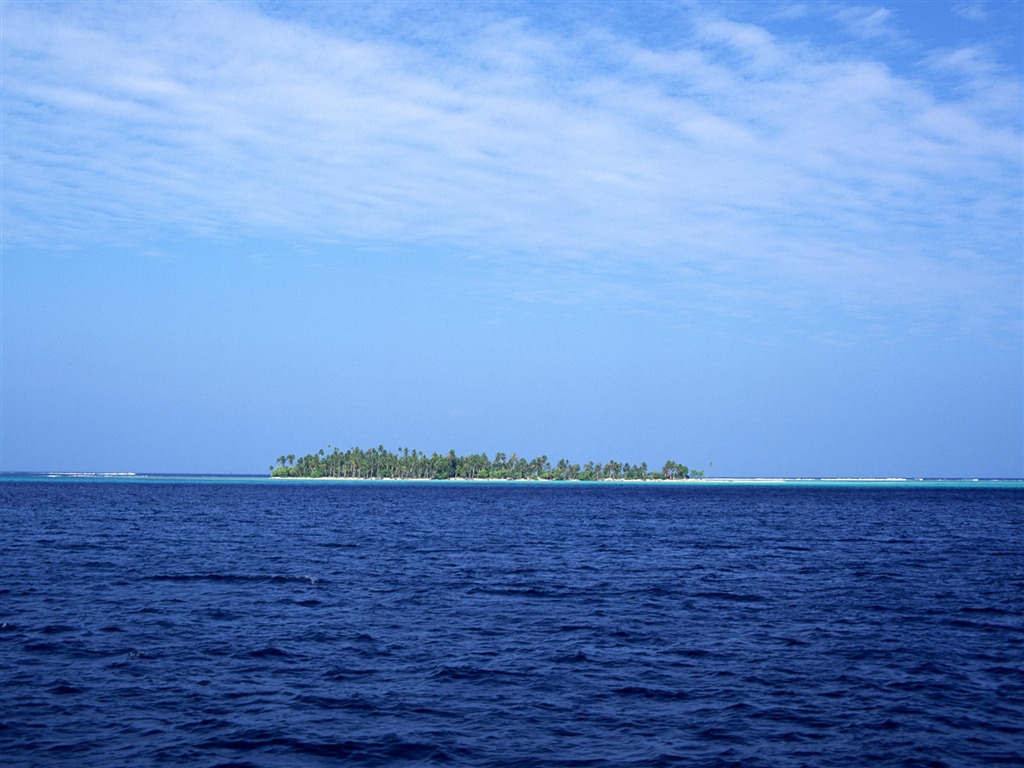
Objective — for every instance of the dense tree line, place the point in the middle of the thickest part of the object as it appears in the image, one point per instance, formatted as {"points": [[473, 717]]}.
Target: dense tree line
{"points": [[409, 464]]}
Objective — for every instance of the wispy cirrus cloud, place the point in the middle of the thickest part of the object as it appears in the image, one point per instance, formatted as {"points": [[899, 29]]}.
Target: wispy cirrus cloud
{"points": [[739, 165], [972, 11], [869, 21]]}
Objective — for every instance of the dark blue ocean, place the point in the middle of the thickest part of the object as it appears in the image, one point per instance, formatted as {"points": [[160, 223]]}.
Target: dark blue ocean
{"points": [[152, 622]]}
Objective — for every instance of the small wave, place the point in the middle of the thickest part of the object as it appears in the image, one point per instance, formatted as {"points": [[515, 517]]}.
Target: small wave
{"points": [[235, 577], [390, 749], [42, 647], [311, 579], [990, 609], [693, 653], [270, 652], [793, 642], [445, 672], [518, 592], [984, 626], [355, 703], [719, 734], [66, 689], [1012, 671], [129, 656], [347, 673], [732, 596], [651, 693], [573, 658], [56, 475], [56, 629]]}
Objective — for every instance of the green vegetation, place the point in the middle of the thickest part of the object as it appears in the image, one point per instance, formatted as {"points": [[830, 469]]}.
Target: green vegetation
{"points": [[381, 464]]}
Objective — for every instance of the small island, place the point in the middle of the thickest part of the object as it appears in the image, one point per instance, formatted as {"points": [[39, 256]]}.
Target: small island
{"points": [[409, 464]]}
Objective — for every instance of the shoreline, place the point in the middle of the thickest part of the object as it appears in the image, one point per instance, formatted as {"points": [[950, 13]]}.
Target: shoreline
{"points": [[674, 481], [156, 477]]}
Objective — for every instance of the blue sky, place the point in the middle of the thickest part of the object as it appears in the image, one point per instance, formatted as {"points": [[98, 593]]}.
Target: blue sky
{"points": [[763, 239]]}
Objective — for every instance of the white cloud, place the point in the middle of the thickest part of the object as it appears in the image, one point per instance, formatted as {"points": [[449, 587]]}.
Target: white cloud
{"points": [[972, 11], [868, 22], [975, 65], [753, 42], [731, 162]]}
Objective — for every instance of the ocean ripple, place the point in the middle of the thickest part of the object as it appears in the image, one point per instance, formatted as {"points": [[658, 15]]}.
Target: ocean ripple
{"points": [[268, 625]]}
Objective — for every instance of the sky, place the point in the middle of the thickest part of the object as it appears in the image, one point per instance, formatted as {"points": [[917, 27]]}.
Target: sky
{"points": [[759, 239]]}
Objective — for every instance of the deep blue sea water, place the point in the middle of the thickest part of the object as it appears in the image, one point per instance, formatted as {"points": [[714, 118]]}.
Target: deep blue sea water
{"points": [[214, 623]]}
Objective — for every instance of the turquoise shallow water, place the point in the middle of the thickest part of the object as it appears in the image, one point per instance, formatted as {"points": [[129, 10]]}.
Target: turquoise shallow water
{"points": [[249, 622]]}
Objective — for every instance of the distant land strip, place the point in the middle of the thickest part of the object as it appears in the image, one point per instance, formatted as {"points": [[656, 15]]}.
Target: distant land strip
{"points": [[409, 464]]}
